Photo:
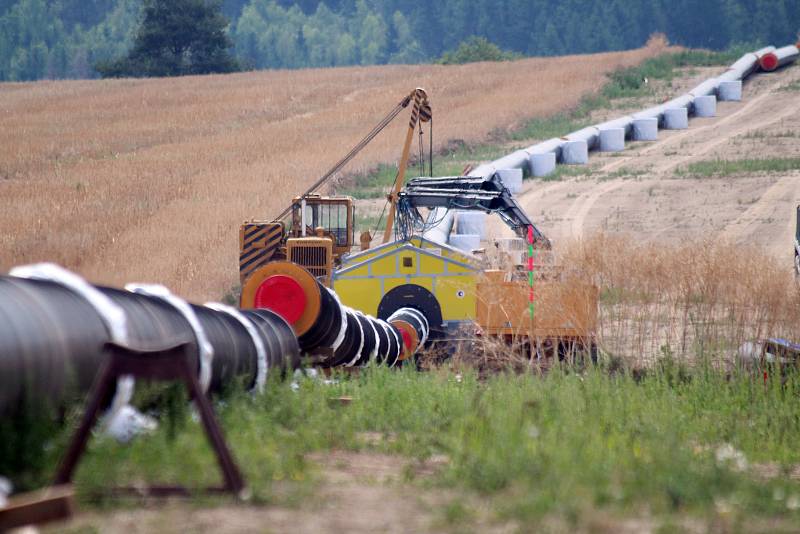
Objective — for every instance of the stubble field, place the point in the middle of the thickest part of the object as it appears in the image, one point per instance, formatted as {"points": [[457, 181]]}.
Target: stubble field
{"points": [[148, 180]]}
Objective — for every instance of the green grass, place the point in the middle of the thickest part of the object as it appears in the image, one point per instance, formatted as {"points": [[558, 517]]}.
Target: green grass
{"points": [[568, 171], [719, 167], [626, 172], [534, 447], [765, 134]]}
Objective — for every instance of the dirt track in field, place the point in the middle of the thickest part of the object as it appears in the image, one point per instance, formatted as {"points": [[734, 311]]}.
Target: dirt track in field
{"points": [[356, 492], [640, 192]]}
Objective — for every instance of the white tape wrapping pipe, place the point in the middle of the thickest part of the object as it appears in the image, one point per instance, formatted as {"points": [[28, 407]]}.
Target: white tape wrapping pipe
{"points": [[361, 345], [112, 315], [374, 354], [261, 351], [420, 317], [205, 349], [343, 328], [390, 331]]}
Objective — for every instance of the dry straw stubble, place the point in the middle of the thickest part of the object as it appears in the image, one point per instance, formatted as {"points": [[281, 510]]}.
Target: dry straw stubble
{"points": [[148, 180]]}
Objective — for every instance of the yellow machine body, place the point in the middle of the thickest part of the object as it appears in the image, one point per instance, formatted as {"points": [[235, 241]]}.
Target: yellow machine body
{"points": [[465, 293], [327, 218], [365, 278]]}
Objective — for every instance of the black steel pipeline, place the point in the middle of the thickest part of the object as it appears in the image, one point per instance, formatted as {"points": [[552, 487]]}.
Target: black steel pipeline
{"points": [[352, 337], [334, 334], [53, 340]]}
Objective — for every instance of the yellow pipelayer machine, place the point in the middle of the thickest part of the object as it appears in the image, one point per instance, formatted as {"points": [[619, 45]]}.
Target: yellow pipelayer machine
{"points": [[454, 289]]}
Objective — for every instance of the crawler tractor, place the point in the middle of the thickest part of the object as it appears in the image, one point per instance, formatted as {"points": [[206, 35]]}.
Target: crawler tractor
{"points": [[456, 290]]}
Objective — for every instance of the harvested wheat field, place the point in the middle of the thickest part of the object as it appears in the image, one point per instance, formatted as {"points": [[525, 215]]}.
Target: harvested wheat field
{"points": [[148, 180]]}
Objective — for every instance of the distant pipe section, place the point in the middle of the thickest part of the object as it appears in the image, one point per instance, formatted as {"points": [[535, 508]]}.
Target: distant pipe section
{"points": [[776, 59], [637, 126]]}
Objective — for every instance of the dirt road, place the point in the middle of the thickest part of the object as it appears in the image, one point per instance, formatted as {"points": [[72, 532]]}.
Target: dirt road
{"points": [[641, 192]]}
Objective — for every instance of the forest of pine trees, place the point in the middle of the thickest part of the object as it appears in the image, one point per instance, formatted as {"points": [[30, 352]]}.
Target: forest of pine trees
{"points": [[68, 38]]}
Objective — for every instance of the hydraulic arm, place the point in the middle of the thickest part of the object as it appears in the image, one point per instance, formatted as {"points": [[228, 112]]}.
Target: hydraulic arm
{"points": [[468, 193]]}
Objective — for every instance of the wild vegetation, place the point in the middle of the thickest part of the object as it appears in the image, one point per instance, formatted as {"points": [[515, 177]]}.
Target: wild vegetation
{"points": [[696, 300], [721, 167], [667, 428], [678, 446]]}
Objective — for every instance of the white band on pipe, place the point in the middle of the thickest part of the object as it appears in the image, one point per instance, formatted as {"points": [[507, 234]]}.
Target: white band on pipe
{"points": [[390, 329], [399, 343], [343, 328], [423, 335], [204, 347], [361, 345], [383, 324], [261, 351], [376, 350], [423, 321], [111, 314]]}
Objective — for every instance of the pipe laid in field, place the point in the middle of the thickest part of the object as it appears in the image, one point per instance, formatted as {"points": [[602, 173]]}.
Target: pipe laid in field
{"points": [[542, 164], [730, 91], [512, 178], [778, 58], [638, 126], [55, 330], [645, 129], [575, 152], [471, 222], [676, 119]]}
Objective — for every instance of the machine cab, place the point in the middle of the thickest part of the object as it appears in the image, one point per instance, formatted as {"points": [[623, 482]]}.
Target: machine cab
{"points": [[333, 215]]}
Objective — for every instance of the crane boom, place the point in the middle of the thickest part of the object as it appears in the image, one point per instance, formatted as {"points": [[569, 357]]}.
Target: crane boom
{"points": [[365, 141], [420, 112]]}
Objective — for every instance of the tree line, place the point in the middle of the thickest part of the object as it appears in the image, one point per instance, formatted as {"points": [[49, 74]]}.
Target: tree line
{"points": [[71, 38]]}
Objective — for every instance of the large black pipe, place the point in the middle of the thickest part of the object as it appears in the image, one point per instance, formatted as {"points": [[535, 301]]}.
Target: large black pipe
{"points": [[350, 337], [53, 340], [54, 336]]}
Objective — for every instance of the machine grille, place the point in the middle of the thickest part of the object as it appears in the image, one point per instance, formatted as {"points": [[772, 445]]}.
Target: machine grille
{"points": [[314, 254]]}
